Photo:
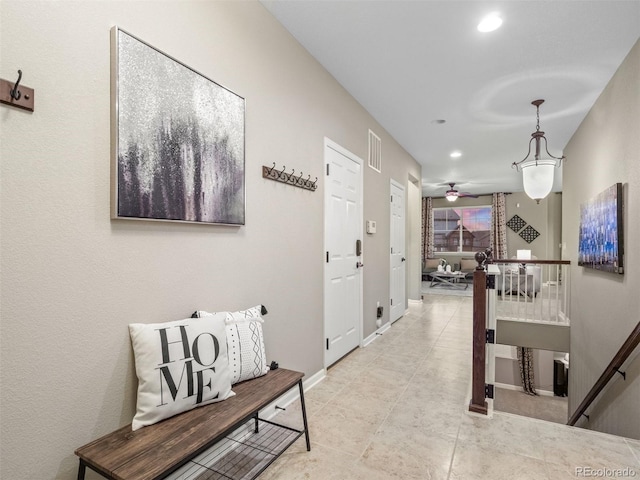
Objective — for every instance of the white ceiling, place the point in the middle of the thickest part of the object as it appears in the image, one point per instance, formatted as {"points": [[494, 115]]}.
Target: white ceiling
{"points": [[412, 62]]}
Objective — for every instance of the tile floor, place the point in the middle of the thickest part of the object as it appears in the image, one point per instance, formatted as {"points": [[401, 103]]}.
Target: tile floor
{"points": [[396, 409]]}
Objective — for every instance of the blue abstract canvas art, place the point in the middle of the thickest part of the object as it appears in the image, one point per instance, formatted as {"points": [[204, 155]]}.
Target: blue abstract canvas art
{"points": [[179, 151], [601, 233]]}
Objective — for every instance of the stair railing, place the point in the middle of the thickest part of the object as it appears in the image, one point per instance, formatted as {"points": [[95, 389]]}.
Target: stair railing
{"points": [[627, 348], [534, 290]]}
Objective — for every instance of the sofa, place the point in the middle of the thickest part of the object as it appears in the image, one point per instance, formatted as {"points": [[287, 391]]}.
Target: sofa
{"points": [[430, 266], [468, 266]]}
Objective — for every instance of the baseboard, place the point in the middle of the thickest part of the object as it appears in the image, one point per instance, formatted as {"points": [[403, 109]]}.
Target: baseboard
{"points": [[376, 334], [292, 395], [415, 302], [507, 386]]}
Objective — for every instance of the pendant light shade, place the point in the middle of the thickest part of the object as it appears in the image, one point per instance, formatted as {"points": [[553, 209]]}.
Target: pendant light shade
{"points": [[537, 176], [537, 172]]}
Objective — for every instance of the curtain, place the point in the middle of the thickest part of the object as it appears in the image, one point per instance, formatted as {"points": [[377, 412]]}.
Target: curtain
{"points": [[427, 228], [498, 238], [525, 362]]}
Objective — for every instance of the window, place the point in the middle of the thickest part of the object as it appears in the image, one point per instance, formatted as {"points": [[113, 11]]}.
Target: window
{"points": [[464, 229]]}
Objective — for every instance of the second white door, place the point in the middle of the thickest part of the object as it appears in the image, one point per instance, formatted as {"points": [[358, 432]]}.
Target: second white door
{"points": [[398, 254]]}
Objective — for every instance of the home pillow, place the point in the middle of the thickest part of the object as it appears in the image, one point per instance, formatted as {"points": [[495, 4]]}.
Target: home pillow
{"points": [[180, 365], [245, 344]]}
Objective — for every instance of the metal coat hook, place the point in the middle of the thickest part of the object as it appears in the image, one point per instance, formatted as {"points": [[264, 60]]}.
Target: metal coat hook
{"points": [[271, 169], [15, 93]]}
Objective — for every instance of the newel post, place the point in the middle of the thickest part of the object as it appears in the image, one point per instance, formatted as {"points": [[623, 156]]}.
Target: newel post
{"points": [[478, 403]]}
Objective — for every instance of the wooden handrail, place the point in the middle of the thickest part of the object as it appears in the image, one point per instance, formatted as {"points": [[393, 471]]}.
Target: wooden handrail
{"points": [[541, 262], [625, 350]]}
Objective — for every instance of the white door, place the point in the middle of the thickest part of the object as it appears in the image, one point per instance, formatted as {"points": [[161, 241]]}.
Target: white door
{"points": [[398, 254], [343, 264]]}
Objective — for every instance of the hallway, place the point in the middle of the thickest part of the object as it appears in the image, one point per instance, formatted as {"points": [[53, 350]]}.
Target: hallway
{"points": [[396, 409]]}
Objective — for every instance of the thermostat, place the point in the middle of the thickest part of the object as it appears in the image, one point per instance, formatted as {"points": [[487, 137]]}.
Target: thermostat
{"points": [[371, 226]]}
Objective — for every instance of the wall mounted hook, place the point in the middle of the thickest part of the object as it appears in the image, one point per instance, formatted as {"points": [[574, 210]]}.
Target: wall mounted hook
{"points": [[15, 93], [11, 95]]}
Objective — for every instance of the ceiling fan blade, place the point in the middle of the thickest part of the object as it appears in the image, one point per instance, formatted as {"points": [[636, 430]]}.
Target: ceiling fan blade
{"points": [[470, 195]]}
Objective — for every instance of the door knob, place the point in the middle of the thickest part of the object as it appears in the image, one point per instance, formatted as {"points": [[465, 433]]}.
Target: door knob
{"points": [[359, 265], [404, 259]]}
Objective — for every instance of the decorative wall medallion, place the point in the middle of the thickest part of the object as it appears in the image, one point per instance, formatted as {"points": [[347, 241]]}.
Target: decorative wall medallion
{"points": [[516, 223], [529, 234]]}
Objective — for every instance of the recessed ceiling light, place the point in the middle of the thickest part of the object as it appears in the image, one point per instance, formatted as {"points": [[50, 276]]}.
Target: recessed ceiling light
{"points": [[490, 23], [455, 154]]}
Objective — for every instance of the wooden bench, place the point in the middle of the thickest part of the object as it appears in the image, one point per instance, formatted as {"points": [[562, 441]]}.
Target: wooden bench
{"points": [[155, 451]]}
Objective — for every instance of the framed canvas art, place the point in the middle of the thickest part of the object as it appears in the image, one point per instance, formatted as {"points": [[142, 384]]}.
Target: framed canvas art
{"points": [[600, 241], [177, 140]]}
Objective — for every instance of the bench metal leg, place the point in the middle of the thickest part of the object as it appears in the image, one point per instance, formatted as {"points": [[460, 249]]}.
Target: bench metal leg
{"points": [[256, 429], [304, 416], [81, 469]]}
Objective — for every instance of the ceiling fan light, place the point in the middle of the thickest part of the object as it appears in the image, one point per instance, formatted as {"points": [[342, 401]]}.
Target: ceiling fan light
{"points": [[537, 177], [451, 196]]}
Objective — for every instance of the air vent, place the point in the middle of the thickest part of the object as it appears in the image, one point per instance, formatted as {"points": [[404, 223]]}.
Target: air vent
{"points": [[375, 152]]}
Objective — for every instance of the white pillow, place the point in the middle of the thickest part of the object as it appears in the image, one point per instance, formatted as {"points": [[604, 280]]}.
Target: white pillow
{"points": [[253, 313], [245, 343], [180, 365]]}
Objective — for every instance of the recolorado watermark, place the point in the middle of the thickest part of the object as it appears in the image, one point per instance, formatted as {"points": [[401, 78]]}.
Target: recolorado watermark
{"points": [[627, 472]]}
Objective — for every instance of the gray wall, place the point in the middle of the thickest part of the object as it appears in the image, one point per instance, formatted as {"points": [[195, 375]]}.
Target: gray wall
{"points": [[605, 307], [72, 279], [545, 217]]}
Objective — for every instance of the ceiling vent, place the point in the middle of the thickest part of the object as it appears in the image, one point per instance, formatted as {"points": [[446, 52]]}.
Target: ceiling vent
{"points": [[375, 152]]}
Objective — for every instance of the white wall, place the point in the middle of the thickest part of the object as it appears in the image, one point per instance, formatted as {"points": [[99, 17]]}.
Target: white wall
{"points": [[605, 307], [72, 279]]}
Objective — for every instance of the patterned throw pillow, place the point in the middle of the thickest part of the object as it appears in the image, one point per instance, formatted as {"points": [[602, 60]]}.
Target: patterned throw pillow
{"points": [[180, 365], [245, 343]]}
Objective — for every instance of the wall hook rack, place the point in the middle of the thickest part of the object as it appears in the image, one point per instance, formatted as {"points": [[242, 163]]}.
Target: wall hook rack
{"points": [[272, 173], [11, 95]]}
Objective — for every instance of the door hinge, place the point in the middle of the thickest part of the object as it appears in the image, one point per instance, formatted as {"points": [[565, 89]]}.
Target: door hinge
{"points": [[327, 169], [327, 344], [491, 282], [391, 198], [391, 249], [491, 335], [488, 390], [392, 301], [327, 257]]}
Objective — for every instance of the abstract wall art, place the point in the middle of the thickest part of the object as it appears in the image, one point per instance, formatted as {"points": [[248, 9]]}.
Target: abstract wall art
{"points": [[178, 142], [600, 241]]}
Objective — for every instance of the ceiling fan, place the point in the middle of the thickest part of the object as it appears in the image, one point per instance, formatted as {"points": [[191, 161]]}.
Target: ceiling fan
{"points": [[452, 194]]}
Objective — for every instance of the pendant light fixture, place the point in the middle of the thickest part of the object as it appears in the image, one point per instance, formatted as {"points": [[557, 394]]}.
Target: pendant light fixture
{"points": [[537, 172]]}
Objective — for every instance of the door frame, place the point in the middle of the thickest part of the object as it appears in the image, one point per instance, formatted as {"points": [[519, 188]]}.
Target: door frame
{"points": [[330, 144]]}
